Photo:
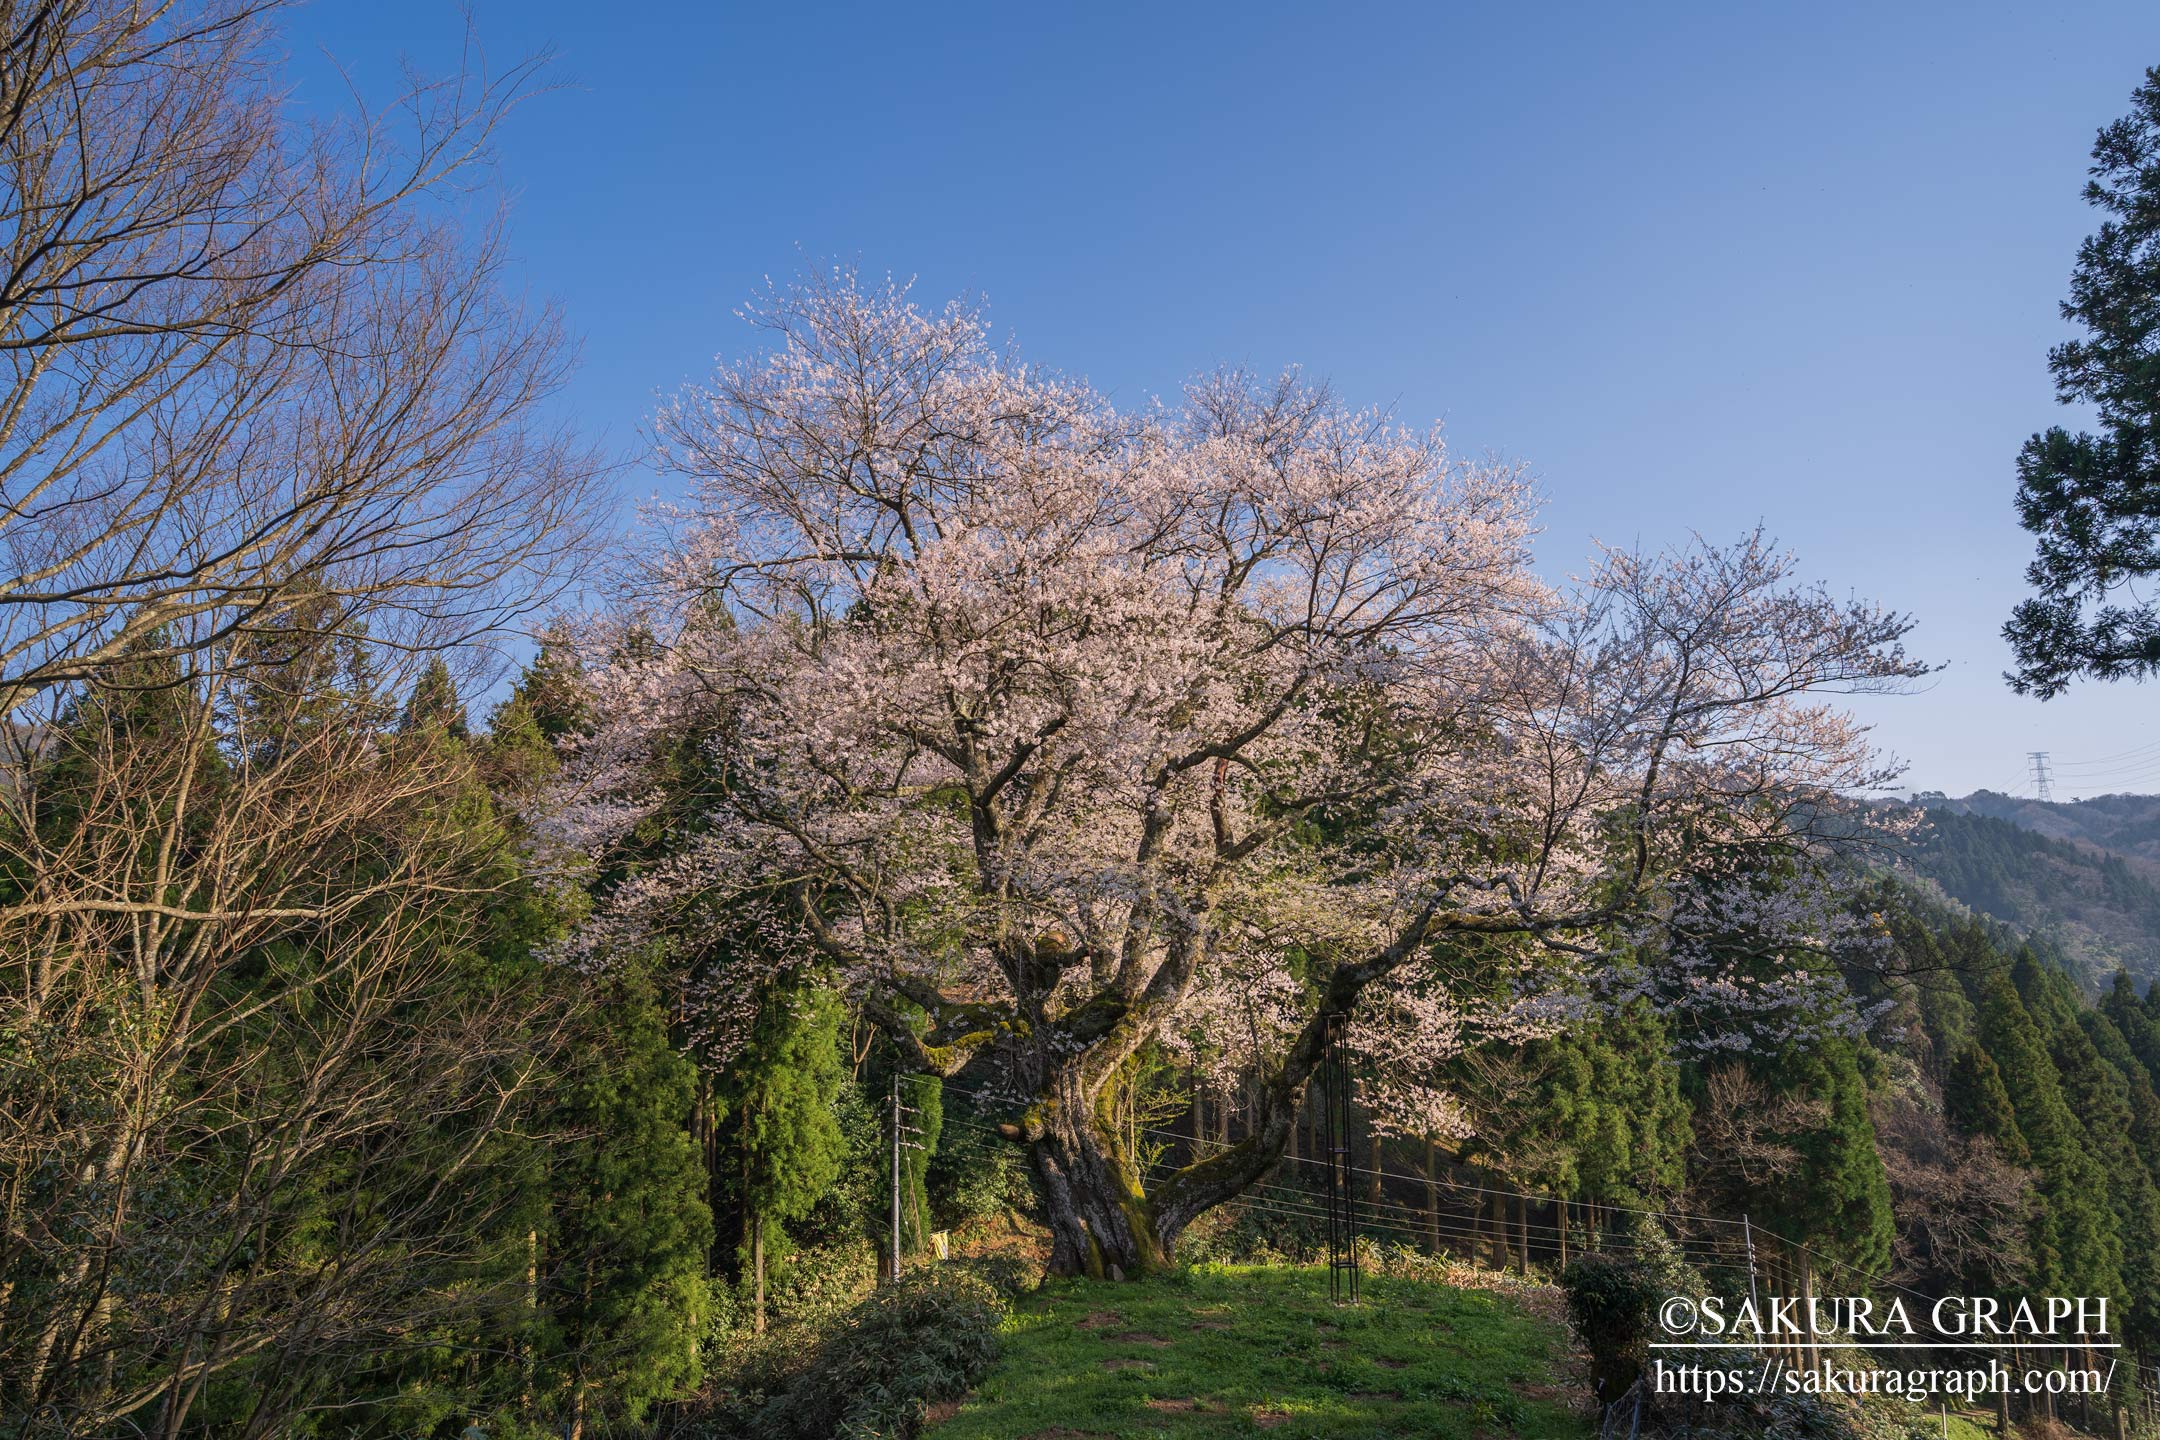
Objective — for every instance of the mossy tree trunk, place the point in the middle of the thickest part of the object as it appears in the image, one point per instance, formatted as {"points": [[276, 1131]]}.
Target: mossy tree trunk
{"points": [[1101, 1223], [1105, 1217]]}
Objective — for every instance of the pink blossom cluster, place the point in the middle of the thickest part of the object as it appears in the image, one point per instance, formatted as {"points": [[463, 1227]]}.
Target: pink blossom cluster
{"points": [[1199, 716]]}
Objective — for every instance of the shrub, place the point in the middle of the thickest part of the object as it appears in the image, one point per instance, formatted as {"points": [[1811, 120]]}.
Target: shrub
{"points": [[1609, 1299], [1010, 1276], [872, 1375], [975, 1174], [1237, 1234], [816, 1284]]}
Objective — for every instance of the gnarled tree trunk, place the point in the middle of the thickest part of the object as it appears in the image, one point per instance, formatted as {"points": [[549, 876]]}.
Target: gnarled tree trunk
{"points": [[1100, 1222], [1083, 1155], [1103, 1221]]}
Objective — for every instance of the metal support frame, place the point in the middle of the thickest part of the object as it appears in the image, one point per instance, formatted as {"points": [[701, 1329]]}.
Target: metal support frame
{"points": [[1341, 1190]]}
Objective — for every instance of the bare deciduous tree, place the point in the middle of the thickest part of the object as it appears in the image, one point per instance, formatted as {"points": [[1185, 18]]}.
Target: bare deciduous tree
{"points": [[1744, 1131], [237, 352], [251, 1083], [1962, 1208], [269, 428]]}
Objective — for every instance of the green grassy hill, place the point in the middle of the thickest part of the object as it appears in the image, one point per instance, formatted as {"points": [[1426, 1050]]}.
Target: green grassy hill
{"points": [[1220, 1351]]}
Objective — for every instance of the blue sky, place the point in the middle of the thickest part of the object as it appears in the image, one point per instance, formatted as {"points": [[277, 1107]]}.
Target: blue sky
{"points": [[1699, 266]]}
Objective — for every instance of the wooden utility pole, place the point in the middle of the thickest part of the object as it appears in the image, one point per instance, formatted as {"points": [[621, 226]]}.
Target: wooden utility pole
{"points": [[1747, 1233], [900, 1131]]}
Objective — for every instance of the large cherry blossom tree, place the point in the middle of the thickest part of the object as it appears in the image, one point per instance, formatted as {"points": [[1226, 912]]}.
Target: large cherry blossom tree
{"points": [[1057, 731]]}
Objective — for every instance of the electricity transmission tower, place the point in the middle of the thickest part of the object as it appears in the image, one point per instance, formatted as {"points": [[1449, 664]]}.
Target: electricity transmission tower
{"points": [[2043, 783]]}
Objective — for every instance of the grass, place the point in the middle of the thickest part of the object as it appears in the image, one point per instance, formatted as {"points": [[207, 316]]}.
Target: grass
{"points": [[1222, 1350]]}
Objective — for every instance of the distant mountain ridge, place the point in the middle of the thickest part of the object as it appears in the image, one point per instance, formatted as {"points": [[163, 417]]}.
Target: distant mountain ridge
{"points": [[2081, 877], [2126, 824]]}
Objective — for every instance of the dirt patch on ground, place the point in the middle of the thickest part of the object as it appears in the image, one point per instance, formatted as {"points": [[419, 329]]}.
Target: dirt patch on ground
{"points": [[1269, 1419], [1370, 1397], [939, 1413], [1385, 1364], [1099, 1320], [1122, 1364], [1213, 1317], [1182, 1407], [1141, 1337]]}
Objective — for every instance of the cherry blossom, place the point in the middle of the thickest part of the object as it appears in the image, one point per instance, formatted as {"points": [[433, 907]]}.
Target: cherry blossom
{"points": [[1057, 730]]}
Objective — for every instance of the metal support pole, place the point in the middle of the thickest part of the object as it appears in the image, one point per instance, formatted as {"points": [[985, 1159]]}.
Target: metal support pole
{"points": [[1341, 1190]]}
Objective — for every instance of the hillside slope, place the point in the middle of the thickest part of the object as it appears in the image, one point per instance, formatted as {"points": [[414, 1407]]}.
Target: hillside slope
{"points": [[2041, 869], [2129, 825]]}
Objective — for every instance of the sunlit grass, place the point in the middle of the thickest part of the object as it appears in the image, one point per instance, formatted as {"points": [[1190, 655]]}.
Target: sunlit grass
{"points": [[1243, 1350]]}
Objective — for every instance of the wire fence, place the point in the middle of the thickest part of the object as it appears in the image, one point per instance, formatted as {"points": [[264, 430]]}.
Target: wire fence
{"points": [[1470, 1220], [1732, 1254]]}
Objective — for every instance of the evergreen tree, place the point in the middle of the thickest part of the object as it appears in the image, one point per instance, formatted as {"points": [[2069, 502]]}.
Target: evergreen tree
{"points": [[1977, 1104], [2136, 1024], [623, 1294], [553, 686], [617, 1228], [434, 704], [782, 1090], [2094, 499], [138, 720], [2110, 1093], [2099, 1097], [1835, 1201], [1606, 1120], [1946, 1016], [2076, 1248]]}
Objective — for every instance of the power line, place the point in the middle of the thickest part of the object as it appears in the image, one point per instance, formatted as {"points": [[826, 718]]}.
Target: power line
{"points": [[1688, 1246], [1411, 1222], [2135, 755]]}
